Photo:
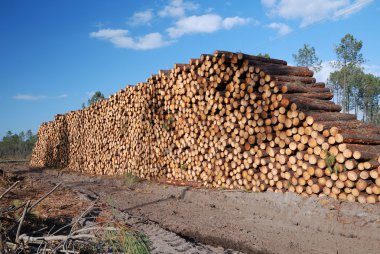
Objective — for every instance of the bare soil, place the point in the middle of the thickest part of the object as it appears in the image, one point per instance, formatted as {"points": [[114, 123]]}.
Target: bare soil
{"points": [[184, 219]]}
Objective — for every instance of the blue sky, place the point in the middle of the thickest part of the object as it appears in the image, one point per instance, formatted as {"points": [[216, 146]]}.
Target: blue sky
{"points": [[54, 54]]}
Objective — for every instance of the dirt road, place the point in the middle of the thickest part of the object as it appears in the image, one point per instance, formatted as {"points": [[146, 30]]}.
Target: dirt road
{"points": [[188, 220]]}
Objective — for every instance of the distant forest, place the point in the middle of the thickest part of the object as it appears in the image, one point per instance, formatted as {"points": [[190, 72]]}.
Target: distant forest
{"points": [[17, 146], [356, 91]]}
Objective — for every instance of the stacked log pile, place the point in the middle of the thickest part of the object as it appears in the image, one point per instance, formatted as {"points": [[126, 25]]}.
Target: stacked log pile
{"points": [[229, 121]]}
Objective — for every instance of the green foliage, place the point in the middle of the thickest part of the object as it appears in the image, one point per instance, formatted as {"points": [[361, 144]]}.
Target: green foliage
{"points": [[98, 96], [369, 92], [330, 161], [354, 89], [124, 127], [168, 123], [307, 57], [171, 120], [125, 241], [348, 60], [336, 169], [183, 167], [348, 52], [17, 146], [16, 202], [363, 91], [130, 180], [265, 55]]}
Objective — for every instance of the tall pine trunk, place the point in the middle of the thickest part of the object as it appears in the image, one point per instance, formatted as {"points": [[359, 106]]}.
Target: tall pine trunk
{"points": [[344, 91]]}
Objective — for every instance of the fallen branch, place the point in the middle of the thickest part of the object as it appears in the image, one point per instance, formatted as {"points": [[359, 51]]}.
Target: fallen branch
{"points": [[40, 239], [72, 224], [81, 216], [75, 222], [9, 189], [95, 228], [22, 220], [43, 197]]}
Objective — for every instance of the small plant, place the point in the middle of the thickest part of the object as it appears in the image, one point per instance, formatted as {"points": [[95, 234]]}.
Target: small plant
{"points": [[124, 126], [330, 161], [171, 120], [126, 240], [16, 202], [183, 167], [130, 180], [336, 169], [167, 123]]}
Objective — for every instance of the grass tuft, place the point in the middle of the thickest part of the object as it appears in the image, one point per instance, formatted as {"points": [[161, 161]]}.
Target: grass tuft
{"points": [[130, 180], [330, 161], [184, 167], [126, 240]]}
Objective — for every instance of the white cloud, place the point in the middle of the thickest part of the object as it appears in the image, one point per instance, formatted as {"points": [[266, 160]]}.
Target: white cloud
{"points": [[228, 23], [151, 41], [109, 33], [62, 96], [207, 23], [121, 39], [29, 97], [324, 73], [374, 69], [184, 24], [268, 3], [352, 8], [310, 12], [141, 18], [282, 29], [177, 8]]}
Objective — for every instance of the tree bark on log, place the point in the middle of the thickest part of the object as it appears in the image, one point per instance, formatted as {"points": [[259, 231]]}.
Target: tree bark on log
{"points": [[329, 116], [312, 104]]}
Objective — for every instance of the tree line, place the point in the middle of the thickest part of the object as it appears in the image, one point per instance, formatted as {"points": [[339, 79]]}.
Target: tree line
{"points": [[97, 96], [17, 146], [356, 91]]}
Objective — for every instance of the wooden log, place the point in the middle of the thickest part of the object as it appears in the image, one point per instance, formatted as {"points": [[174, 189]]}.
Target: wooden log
{"points": [[360, 137], [290, 78], [329, 116], [298, 87], [242, 56], [344, 124], [312, 94], [312, 104], [287, 70], [367, 152], [260, 59]]}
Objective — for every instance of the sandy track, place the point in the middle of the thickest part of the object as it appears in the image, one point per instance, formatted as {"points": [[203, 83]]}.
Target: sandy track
{"points": [[248, 222]]}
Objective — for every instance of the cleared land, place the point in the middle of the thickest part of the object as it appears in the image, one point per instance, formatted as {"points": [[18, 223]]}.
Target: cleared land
{"points": [[190, 220]]}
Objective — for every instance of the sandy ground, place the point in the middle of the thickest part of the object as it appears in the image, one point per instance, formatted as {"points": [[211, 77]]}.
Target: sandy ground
{"points": [[189, 220]]}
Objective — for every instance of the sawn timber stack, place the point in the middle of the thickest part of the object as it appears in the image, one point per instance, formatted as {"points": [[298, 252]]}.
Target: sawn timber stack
{"points": [[226, 120]]}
